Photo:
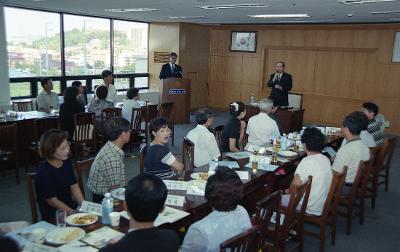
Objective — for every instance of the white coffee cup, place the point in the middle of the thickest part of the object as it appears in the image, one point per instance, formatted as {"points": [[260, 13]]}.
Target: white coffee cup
{"points": [[38, 234], [114, 218]]}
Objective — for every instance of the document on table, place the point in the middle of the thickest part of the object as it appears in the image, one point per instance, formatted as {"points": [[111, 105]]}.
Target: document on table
{"points": [[176, 185], [169, 215], [35, 247], [243, 174], [238, 155], [77, 246], [229, 164], [264, 166], [100, 237], [196, 187], [175, 200], [91, 207]]}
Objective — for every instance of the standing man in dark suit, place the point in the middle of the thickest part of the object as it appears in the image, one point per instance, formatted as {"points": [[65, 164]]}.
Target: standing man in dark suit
{"points": [[171, 69], [280, 84]]}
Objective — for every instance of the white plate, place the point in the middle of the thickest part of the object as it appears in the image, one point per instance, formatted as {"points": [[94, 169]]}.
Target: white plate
{"points": [[197, 175], [65, 235], [118, 193], [70, 219], [287, 153]]}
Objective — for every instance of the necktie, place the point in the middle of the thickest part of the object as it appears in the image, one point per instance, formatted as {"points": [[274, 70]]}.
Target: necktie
{"points": [[173, 68]]}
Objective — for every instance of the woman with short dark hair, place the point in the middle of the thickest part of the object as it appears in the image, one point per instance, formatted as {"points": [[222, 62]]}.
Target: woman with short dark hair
{"points": [[69, 108], [234, 130], [224, 191], [158, 159], [55, 182], [82, 98], [100, 102]]}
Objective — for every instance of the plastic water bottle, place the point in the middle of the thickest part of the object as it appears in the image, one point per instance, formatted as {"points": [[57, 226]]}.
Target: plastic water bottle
{"points": [[283, 142], [107, 208]]}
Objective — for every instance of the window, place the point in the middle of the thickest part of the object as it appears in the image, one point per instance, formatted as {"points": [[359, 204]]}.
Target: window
{"points": [[121, 83], [130, 47], [87, 45], [20, 89], [141, 82], [33, 43]]}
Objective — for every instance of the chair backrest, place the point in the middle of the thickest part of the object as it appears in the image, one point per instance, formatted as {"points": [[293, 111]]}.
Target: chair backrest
{"points": [[334, 189], [378, 154], [391, 145], [22, 106], [368, 169], [42, 125], [108, 113], [247, 241], [188, 153], [138, 116], [296, 194], [264, 211], [83, 166], [30, 178], [84, 133], [218, 136], [141, 159], [151, 112], [362, 177], [8, 136], [166, 110]]}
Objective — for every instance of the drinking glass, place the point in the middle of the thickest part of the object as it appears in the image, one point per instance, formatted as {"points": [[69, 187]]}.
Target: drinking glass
{"points": [[61, 217]]}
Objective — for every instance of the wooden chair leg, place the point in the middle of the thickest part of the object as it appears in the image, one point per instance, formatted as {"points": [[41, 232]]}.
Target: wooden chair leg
{"points": [[386, 179], [349, 219], [322, 238], [17, 172], [361, 214], [374, 190], [333, 233]]}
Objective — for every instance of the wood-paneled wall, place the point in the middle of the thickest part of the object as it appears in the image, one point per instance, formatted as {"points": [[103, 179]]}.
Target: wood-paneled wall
{"points": [[336, 67]]}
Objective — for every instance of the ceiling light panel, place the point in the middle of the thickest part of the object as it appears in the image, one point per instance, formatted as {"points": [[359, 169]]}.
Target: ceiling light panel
{"points": [[131, 10], [233, 6], [364, 1], [280, 16]]}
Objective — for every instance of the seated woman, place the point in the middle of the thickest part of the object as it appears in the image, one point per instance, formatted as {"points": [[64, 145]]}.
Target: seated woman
{"points": [[131, 102], [55, 182], [82, 98], [100, 103], [158, 159], [316, 165], [69, 108], [224, 191], [235, 128]]}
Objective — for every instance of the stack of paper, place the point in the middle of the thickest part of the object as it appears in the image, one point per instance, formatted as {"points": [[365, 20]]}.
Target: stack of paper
{"points": [[175, 200], [238, 155], [77, 246], [244, 175], [169, 215], [91, 207], [196, 187], [100, 237], [229, 164], [176, 184]]}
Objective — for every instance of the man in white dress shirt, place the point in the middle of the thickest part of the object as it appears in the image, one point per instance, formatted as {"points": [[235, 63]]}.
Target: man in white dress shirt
{"points": [[112, 91], [47, 99], [262, 128], [205, 145]]}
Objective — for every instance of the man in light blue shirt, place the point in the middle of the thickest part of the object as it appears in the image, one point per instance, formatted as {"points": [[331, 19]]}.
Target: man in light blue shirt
{"points": [[224, 191]]}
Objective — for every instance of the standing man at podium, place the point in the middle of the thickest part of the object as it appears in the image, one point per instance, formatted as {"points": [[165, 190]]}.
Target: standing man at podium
{"points": [[280, 84], [171, 70]]}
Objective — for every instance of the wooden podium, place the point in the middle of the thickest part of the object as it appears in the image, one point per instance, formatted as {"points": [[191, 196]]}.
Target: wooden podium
{"points": [[177, 91]]}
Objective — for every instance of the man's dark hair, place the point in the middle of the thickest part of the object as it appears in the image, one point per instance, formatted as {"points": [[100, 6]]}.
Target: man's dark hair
{"points": [[235, 108], [313, 139], [145, 197], [355, 123], [173, 54], [8, 244], [371, 107], [76, 83], [70, 94], [202, 115], [105, 74], [363, 117], [157, 124], [132, 93], [50, 141], [43, 81], [101, 92], [224, 189], [115, 126], [283, 63]]}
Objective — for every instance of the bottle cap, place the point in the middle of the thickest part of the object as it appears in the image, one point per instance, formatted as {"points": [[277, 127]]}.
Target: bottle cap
{"points": [[107, 195]]}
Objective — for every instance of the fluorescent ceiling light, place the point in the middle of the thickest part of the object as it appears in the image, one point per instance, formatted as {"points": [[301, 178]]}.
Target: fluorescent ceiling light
{"points": [[364, 1], [232, 6], [280, 16], [131, 10], [188, 17], [306, 21], [384, 12]]}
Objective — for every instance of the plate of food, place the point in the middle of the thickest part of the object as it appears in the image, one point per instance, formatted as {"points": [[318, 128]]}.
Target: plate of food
{"points": [[118, 193], [199, 175], [81, 219], [287, 154], [65, 235]]}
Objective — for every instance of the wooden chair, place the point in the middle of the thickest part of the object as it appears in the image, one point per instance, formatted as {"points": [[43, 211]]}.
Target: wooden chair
{"points": [[84, 139], [264, 211], [138, 134], [83, 166], [165, 112], [357, 193], [188, 152], [30, 179], [151, 113], [22, 105], [384, 173], [40, 126], [328, 210], [248, 241], [108, 113], [218, 136], [378, 154], [8, 148]]}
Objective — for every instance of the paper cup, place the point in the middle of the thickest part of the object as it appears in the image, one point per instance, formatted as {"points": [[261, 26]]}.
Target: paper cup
{"points": [[114, 218]]}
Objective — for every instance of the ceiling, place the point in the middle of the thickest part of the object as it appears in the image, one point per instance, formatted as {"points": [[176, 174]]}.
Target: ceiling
{"points": [[320, 11]]}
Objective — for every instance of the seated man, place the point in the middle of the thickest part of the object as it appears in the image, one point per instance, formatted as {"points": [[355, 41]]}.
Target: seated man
{"points": [[205, 146], [374, 127], [47, 99], [316, 165], [365, 136], [262, 128], [108, 169], [224, 191], [354, 150], [145, 198]]}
